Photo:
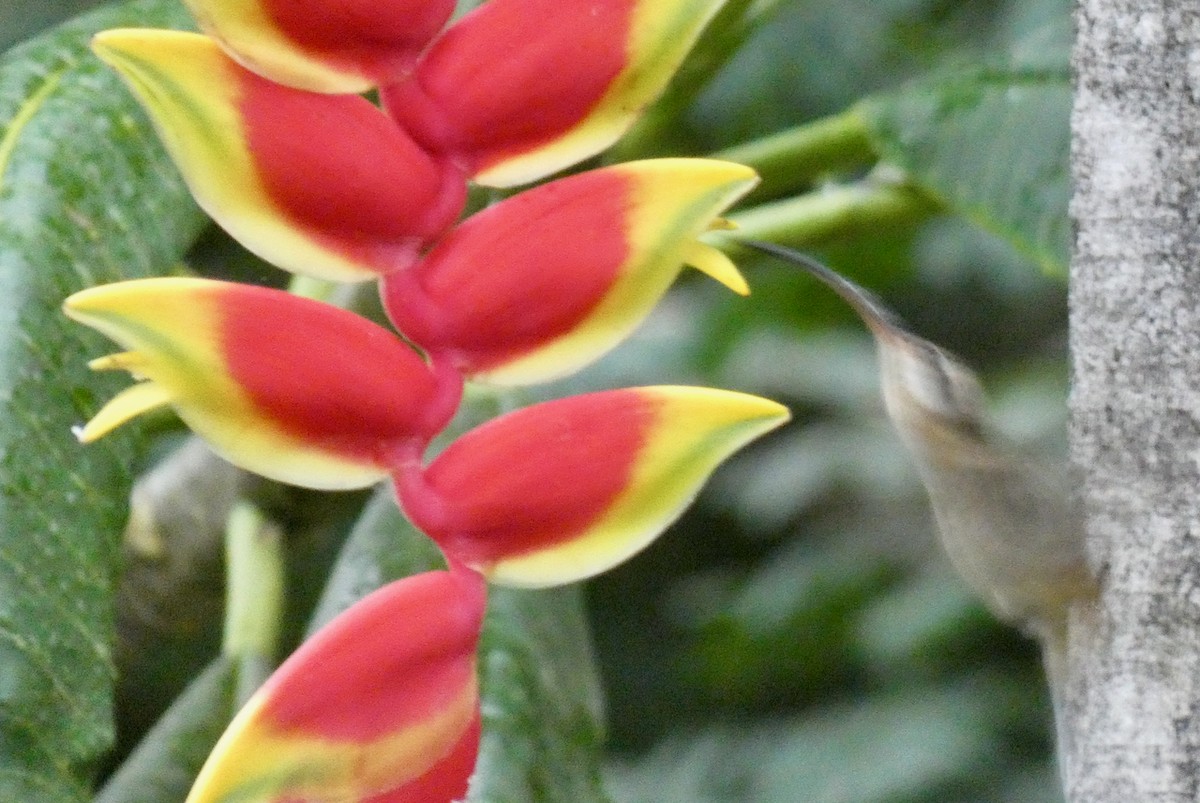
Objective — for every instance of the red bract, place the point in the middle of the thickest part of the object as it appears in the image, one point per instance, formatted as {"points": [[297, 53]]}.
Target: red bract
{"points": [[381, 705], [328, 377], [380, 39], [566, 489], [516, 276], [546, 281], [519, 89], [534, 477], [293, 389], [504, 79], [319, 185], [324, 45], [341, 170]]}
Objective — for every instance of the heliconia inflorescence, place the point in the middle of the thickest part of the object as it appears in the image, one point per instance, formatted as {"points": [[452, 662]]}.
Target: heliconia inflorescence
{"points": [[260, 116], [287, 387], [612, 470]]}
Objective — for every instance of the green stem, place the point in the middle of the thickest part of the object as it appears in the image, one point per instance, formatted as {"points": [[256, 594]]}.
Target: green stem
{"points": [[254, 595], [831, 213], [794, 159], [308, 287]]}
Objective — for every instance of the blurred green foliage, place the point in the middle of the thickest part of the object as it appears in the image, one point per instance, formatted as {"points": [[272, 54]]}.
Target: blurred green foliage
{"points": [[21, 19], [798, 636]]}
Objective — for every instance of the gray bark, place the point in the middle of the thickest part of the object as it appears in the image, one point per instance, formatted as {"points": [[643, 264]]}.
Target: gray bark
{"points": [[1132, 693]]}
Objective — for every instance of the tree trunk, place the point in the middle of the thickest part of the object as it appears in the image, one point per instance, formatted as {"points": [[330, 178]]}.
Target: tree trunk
{"points": [[1132, 691]]}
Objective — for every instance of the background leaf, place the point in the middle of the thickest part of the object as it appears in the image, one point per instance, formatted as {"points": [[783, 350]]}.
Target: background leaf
{"points": [[21, 19], [83, 200], [542, 737], [991, 144], [166, 762]]}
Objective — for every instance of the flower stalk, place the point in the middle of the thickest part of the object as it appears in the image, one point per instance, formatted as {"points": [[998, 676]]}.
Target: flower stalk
{"points": [[829, 214], [254, 595], [795, 159]]}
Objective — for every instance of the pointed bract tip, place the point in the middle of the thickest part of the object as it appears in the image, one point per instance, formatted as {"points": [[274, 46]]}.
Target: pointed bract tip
{"points": [[116, 46], [240, 367], [608, 472]]}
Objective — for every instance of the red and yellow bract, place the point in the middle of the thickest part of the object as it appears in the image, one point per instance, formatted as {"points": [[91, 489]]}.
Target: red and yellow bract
{"points": [[566, 489], [545, 282], [381, 704], [319, 185], [324, 46], [290, 388], [519, 89]]}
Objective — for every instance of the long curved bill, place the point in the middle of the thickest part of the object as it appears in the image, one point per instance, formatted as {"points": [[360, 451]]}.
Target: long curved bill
{"points": [[293, 389], [519, 89], [348, 46], [318, 185], [382, 704], [547, 281], [566, 489]]}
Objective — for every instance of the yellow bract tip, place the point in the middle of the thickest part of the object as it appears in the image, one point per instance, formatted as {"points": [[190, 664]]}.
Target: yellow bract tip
{"points": [[136, 53], [130, 361], [129, 403], [713, 262]]}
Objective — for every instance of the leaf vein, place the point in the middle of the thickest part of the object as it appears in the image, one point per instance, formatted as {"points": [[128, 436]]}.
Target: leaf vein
{"points": [[40, 660], [31, 583], [24, 114]]}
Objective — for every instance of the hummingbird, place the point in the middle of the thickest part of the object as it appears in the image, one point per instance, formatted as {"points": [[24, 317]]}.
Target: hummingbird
{"points": [[1009, 523]]}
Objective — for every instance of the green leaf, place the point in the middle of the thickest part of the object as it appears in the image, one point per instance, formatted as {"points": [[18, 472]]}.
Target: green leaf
{"points": [[814, 58], [21, 19], [883, 748], [163, 766], [541, 711], [991, 144], [542, 732], [86, 196]]}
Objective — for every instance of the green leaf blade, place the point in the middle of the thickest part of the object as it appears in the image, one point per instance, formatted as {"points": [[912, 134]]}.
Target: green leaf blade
{"points": [[542, 732], [166, 762], [86, 196], [991, 145]]}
